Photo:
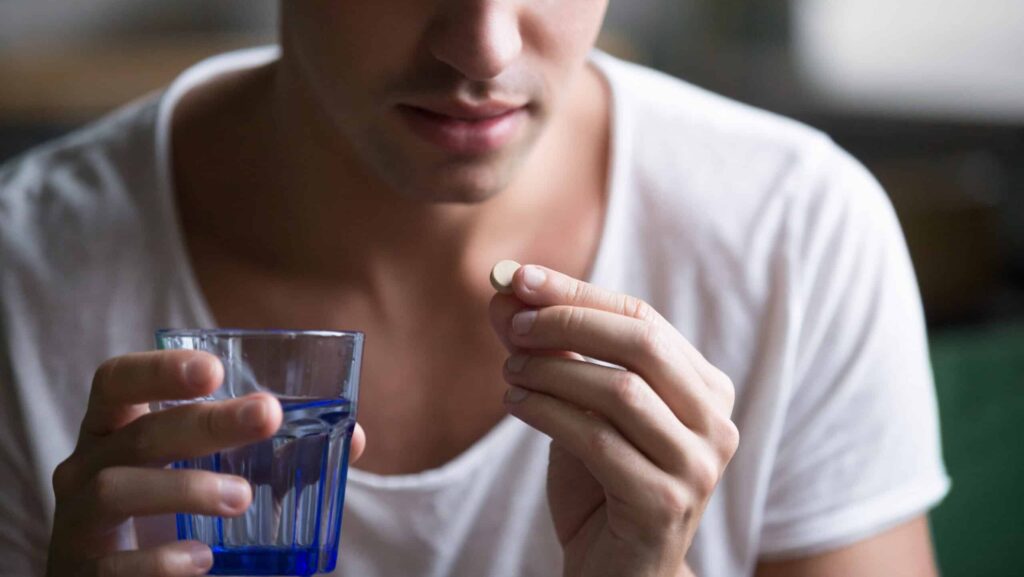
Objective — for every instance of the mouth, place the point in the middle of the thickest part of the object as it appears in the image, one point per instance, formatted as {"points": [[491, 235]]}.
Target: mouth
{"points": [[464, 129]]}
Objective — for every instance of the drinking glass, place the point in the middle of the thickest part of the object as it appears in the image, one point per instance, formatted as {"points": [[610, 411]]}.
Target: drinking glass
{"points": [[297, 476]]}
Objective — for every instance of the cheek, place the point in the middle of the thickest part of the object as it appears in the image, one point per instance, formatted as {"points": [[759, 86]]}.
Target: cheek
{"points": [[563, 32], [560, 35], [568, 26], [350, 44]]}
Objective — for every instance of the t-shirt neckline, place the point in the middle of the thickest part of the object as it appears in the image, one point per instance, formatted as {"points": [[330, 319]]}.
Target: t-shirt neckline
{"points": [[466, 461]]}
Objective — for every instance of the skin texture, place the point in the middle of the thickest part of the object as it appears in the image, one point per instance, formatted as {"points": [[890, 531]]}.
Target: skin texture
{"points": [[351, 221], [325, 242], [114, 475], [473, 51], [903, 551], [636, 453]]}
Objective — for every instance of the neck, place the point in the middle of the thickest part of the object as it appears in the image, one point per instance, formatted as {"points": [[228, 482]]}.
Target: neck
{"points": [[321, 214]]}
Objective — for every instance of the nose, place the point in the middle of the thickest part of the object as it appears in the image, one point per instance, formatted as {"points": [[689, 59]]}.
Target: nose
{"points": [[480, 39]]}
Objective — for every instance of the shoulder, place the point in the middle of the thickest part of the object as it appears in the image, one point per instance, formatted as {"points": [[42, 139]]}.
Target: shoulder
{"points": [[94, 154], [667, 111], [77, 187], [724, 174]]}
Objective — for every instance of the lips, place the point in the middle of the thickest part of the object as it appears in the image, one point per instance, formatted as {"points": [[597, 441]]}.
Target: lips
{"points": [[463, 129]]}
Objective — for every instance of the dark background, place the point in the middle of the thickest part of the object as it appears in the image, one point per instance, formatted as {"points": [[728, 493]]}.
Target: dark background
{"points": [[928, 94]]}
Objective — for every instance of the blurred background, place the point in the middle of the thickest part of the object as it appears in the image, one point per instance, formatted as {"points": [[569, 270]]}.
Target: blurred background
{"points": [[929, 94]]}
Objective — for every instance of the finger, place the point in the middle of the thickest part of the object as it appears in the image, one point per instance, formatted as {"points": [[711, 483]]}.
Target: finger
{"points": [[620, 468], [577, 492], [502, 309], [117, 493], [639, 346], [622, 397], [189, 431], [538, 286], [358, 443], [178, 559], [123, 385]]}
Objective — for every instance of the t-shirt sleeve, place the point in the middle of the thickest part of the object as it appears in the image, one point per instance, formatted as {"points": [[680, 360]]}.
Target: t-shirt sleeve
{"points": [[24, 528], [860, 449]]}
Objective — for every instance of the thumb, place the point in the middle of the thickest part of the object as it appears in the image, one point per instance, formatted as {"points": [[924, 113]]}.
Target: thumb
{"points": [[358, 444]]}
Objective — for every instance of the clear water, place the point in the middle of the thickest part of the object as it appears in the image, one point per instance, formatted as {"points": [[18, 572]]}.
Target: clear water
{"points": [[298, 486]]}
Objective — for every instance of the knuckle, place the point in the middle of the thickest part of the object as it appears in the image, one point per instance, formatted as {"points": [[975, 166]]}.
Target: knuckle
{"points": [[140, 443], [728, 439], [65, 477], [195, 491], [729, 393], [601, 440], [209, 423], [105, 491], [651, 340], [704, 474], [638, 309], [675, 505], [571, 319], [104, 375], [578, 292], [628, 389], [166, 365], [724, 385]]}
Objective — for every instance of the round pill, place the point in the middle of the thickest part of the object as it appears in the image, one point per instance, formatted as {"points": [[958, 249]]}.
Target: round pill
{"points": [[501, 276]]}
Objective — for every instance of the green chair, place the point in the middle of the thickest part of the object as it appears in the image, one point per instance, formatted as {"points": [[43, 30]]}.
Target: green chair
{"points": [[979, 374]]}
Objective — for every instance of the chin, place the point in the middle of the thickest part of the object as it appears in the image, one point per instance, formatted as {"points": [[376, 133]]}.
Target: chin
{"points": [[457, 192], [464, 181], [468, 185], [421, 172], [418, 173]]}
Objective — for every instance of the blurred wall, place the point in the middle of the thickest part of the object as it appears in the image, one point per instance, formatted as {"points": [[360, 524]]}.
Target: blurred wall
{"points": [[947, 58], [50, 24]]}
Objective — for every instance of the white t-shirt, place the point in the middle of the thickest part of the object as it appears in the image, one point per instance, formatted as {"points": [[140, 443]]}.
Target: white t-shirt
{"points": [[771, 250]]}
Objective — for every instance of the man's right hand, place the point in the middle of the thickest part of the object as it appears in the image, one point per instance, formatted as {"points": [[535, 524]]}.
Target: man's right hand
{"points": [[115, 472]]}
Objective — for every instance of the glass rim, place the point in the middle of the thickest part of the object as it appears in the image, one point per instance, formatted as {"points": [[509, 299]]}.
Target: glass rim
{"points": [[230, 333]]}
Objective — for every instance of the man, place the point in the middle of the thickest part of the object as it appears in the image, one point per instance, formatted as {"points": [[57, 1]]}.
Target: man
{"points": [[367, 176]]}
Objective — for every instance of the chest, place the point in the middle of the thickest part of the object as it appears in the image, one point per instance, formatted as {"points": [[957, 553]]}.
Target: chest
{"points": [[432, 381], [430, 386], [424, 403]]}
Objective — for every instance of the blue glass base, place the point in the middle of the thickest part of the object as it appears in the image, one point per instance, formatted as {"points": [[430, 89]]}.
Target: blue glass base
{"points": [[265, 561]]}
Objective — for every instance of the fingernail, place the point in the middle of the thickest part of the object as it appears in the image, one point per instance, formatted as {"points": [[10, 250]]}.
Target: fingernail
{"points": [[234, 494], [516, 363], [523, 322], [202, 556], [534, 277], [197, 372], [516, 394], [252, 413]]}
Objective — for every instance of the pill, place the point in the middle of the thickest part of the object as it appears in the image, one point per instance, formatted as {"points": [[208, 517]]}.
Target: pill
{"points": [[501, 276]]}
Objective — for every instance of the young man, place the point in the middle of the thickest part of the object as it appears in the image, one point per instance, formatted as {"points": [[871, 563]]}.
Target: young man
{"points": [[366, 176]]}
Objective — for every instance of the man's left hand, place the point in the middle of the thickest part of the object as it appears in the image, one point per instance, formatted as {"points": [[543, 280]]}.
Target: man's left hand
{"points": [[636, 451]]}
